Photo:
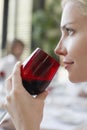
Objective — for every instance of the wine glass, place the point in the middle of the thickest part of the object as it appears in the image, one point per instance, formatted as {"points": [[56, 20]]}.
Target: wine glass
{"points": [[37, 71]]}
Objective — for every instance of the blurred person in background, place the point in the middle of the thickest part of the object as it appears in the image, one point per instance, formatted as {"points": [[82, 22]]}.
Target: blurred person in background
{"points": [[7, 62], [27, 112]]}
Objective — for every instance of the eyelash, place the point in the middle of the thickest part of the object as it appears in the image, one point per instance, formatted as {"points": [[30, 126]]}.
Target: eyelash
{"points": [[69, 31]]}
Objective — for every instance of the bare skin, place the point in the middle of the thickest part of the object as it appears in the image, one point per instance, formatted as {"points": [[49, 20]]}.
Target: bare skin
{"points": [[23, 116]]}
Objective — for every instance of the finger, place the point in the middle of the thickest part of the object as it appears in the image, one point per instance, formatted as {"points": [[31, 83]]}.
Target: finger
{"points": [[8, 84], [43, 95], [8, 88], [16, 77], [6, 101], [3, 103]]}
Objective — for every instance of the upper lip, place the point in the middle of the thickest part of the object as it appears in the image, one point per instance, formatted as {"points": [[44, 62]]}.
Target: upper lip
{"points": [[68, 62]]}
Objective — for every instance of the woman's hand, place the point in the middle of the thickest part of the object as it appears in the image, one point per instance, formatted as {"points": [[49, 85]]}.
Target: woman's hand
{"points": [[25, 110]]}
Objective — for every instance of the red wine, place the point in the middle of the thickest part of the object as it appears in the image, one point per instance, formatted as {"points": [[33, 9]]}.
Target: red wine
{"points": [[34, 87], [38, 71]]}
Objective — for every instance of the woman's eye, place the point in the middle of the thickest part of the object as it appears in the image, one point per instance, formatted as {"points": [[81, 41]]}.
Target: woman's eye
{"points": [[69, 31]]}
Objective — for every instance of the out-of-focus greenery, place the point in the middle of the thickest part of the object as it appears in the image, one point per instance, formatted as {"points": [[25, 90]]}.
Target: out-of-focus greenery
{"points": [[46, 24]]}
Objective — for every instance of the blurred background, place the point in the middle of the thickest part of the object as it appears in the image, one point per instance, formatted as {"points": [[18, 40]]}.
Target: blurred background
{"points": [[36, 23]]}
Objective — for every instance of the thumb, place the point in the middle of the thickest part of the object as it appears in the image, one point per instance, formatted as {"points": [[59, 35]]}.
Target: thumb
{"points": [[43, 95]]}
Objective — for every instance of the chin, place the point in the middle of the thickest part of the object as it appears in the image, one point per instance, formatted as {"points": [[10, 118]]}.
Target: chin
{"points": [[75, 79]]}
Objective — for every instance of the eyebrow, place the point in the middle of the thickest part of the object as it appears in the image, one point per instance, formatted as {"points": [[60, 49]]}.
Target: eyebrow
{"points": [[64, 26]]}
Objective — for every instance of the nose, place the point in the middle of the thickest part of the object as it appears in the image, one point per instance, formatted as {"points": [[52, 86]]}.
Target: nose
{"points": [[60, 49]]}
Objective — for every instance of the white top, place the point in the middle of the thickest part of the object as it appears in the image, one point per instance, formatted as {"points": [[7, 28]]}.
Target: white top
{"points": [[7, 64]]}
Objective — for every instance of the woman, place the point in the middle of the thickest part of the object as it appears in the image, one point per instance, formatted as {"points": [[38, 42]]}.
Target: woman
{"points": [[72, 46]]}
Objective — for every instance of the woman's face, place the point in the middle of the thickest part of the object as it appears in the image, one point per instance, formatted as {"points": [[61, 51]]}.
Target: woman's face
{"points": [[73, 42]]}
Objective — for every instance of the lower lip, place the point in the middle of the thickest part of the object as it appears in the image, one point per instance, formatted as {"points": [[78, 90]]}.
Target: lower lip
{"points": [[68, 66]]}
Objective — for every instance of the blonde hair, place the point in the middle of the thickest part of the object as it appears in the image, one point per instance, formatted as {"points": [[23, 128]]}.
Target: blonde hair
{"points": [[82, 4]]}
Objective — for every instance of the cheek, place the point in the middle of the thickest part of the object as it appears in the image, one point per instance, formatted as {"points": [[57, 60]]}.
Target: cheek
{"points": [[77, 47], [78, 52]]}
